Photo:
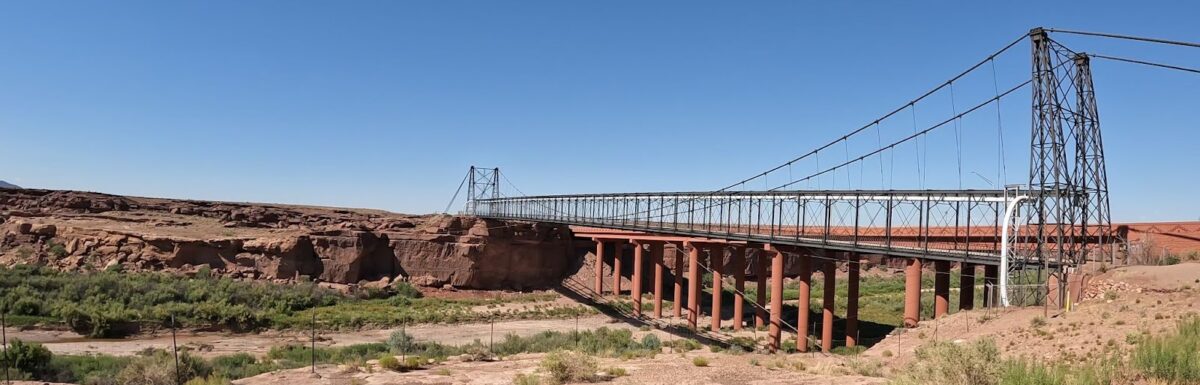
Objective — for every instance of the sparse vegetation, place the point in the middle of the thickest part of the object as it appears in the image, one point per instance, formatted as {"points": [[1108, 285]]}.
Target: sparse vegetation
{"points": [[1174, 359], [115, 304], [700, 361]]}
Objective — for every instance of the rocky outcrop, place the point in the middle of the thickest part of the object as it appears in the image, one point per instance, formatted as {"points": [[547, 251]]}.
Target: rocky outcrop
{"points": [[78, 230]]}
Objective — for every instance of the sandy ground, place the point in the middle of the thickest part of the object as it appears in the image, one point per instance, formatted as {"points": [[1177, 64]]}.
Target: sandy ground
{"points": [[1158, 296], [667, 368], [214, 344], [1151, 300]]}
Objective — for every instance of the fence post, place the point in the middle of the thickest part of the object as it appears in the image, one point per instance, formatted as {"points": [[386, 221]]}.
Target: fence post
{"points": [[313, 349], [4, 336], [175, 349]]}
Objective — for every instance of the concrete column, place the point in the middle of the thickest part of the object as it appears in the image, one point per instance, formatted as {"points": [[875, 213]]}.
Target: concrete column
{"points": [[991, 278], [912, 293], [677, 311], [805, 298], [618, 249], [636, 291], [656, 254], [739, 285], [776, 296], [852, 267], [693, 284], [827, 303], [760, 297], [966, 286], [941, 288], [716, 257], [599, 284]]}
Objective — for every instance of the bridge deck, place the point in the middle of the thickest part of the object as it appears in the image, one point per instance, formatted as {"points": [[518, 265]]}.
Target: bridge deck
{"points": [[955, 225]]}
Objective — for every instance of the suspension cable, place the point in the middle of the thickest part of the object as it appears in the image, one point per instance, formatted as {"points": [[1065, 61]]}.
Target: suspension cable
{"points": [[1160, 65], [1127, 37], [455, 197]]}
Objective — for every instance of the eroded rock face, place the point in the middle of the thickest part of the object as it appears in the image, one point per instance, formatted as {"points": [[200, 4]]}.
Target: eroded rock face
{"points": [[77, 230]]}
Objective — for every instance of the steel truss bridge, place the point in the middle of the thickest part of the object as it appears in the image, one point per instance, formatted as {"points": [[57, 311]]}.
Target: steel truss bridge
{"points": [[1056, 221]]}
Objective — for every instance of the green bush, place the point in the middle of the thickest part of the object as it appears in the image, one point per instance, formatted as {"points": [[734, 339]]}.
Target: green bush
{"points": [[29, 357], [700, 361], [89, 369], [406, 290], [240, 365], [57, 250], [389, 362]]}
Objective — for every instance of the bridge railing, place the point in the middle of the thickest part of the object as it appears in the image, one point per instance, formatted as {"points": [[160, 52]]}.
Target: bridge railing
{"points": [[961, 225]]}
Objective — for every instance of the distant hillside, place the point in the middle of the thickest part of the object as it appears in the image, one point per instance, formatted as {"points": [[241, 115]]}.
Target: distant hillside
{"points": [[4, 184]]}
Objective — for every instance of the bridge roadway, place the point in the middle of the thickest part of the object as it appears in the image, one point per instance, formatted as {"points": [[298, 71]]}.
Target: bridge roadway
{"points": [[817, 229]]}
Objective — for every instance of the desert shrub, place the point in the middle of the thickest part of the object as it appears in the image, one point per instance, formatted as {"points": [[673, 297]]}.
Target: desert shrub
{"points": [[58, 250], [406, 290], [389, 362], [28, 357], [89, 369], [616, 371], [651, 342], [1174, 359], [1031, 372], [869, 368], [527, 379], [240, 365], [950, 363], [399, 341], [210, 380], [683, 345], [157, 367], [1170, 259], [849, 350], [700, 361], [742, 344], [566, 366]]}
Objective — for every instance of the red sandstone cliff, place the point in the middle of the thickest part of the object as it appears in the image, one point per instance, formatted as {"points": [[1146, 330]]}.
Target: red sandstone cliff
{"points": [[73, 230]]}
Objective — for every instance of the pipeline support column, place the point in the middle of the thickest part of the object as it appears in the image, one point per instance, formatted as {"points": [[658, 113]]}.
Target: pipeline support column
{"points": [[966, 286], [805, 299], [852, 270], [716, 258], [941, 288], [776, 330], [739, 286], [656, 254], [829, 272], [912, 293], [636, 291], [991, 277], [760, 297], [693, 284], [618, 249], [677, 309], [599, 284]]}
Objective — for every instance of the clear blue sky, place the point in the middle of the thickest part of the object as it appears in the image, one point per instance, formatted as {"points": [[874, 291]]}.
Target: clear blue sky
{"points": [[384, 104]]}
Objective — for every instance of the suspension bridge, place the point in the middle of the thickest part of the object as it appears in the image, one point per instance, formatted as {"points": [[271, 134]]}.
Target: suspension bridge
{"points": [[1036, 233]]}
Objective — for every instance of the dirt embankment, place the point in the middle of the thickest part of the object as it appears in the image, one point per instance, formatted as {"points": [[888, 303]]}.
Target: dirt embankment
{"points": [[72, 230]]}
